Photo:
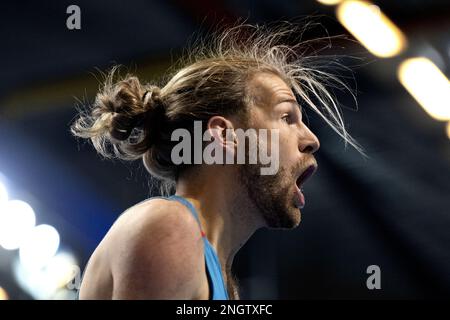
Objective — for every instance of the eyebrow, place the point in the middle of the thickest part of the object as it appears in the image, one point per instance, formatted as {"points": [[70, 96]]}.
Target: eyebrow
{"points": [[291, 100]]}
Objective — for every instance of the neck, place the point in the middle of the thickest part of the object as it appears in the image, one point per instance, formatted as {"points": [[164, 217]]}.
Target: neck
{"points": [[227, 216]]}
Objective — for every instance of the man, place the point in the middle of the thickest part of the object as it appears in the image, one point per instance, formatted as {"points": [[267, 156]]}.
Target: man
{"points": [[182, 247]]}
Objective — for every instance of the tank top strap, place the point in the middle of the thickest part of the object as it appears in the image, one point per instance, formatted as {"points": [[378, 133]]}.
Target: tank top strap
{"points": [[191, 209], [213, 269]]}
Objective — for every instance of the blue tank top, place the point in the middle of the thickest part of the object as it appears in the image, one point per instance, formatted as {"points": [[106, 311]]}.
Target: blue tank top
{"points": [[217, 289], [213, 269]]}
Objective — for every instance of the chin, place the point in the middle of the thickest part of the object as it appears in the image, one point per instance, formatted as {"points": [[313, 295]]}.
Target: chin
{"points": [[294, 220], [289, 219], [275, 197]]}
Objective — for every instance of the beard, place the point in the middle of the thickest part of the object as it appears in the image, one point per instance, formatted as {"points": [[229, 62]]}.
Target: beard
{"points": [[273, 195]]}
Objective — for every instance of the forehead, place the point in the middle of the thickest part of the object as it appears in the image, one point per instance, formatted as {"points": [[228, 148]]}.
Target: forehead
{"points": [[266, 88]]}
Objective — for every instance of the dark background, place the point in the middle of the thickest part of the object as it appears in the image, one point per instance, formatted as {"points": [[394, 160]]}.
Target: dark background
{"points": [[391, 210]]}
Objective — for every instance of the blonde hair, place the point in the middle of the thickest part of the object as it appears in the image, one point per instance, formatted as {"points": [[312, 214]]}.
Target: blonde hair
{"points": [[130, 120]]}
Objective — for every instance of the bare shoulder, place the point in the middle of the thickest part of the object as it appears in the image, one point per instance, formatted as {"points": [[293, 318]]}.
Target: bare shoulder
{"points": [[153, 215], [153, 251]]}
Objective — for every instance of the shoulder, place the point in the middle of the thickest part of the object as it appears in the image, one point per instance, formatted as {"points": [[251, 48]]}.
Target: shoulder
{"points": [[155, 250], [157, 212], [157, 219], [153, 221]]}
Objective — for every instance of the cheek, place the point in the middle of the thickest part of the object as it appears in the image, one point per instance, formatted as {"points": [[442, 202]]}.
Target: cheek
{"points": [[288, 149]]}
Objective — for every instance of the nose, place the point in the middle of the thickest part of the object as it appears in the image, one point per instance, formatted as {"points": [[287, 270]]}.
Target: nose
{"points": [[309, 143]]}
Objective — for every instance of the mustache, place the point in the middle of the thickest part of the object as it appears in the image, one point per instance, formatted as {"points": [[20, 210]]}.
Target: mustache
{"points": [[303, 164]]}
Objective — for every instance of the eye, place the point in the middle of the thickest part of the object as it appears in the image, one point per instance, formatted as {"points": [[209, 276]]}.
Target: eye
{"points": [[286, 118]]}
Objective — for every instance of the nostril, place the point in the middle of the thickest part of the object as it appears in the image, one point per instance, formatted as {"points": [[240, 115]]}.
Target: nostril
{"points": [[309, 143], [308, 149]]}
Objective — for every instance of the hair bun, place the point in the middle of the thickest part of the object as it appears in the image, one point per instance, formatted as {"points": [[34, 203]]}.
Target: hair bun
{"points": [[154, 107], [122, 126], [155, 113], [151, 96]]}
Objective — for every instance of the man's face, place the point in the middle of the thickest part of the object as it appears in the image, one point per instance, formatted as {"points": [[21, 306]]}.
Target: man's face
{"points": [[279, 197]]}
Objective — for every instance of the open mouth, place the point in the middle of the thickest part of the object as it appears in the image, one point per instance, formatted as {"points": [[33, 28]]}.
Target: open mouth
{"points": [[305, 175], [300, 200]]}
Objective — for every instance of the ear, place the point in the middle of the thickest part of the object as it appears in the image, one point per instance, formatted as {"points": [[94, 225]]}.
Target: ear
{"points": [[222, 132]]}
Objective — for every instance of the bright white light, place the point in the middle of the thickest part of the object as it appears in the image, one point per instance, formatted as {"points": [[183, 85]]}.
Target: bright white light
{"points": [[39, 247], [428, 85], [46, 282], [3, 193], [3, 294], [371, 27], [330, 2], [61, 268], [17, 219]]}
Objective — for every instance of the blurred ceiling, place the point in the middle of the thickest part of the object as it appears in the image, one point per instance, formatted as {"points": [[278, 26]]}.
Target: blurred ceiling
{"points": [[37, 46]]}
